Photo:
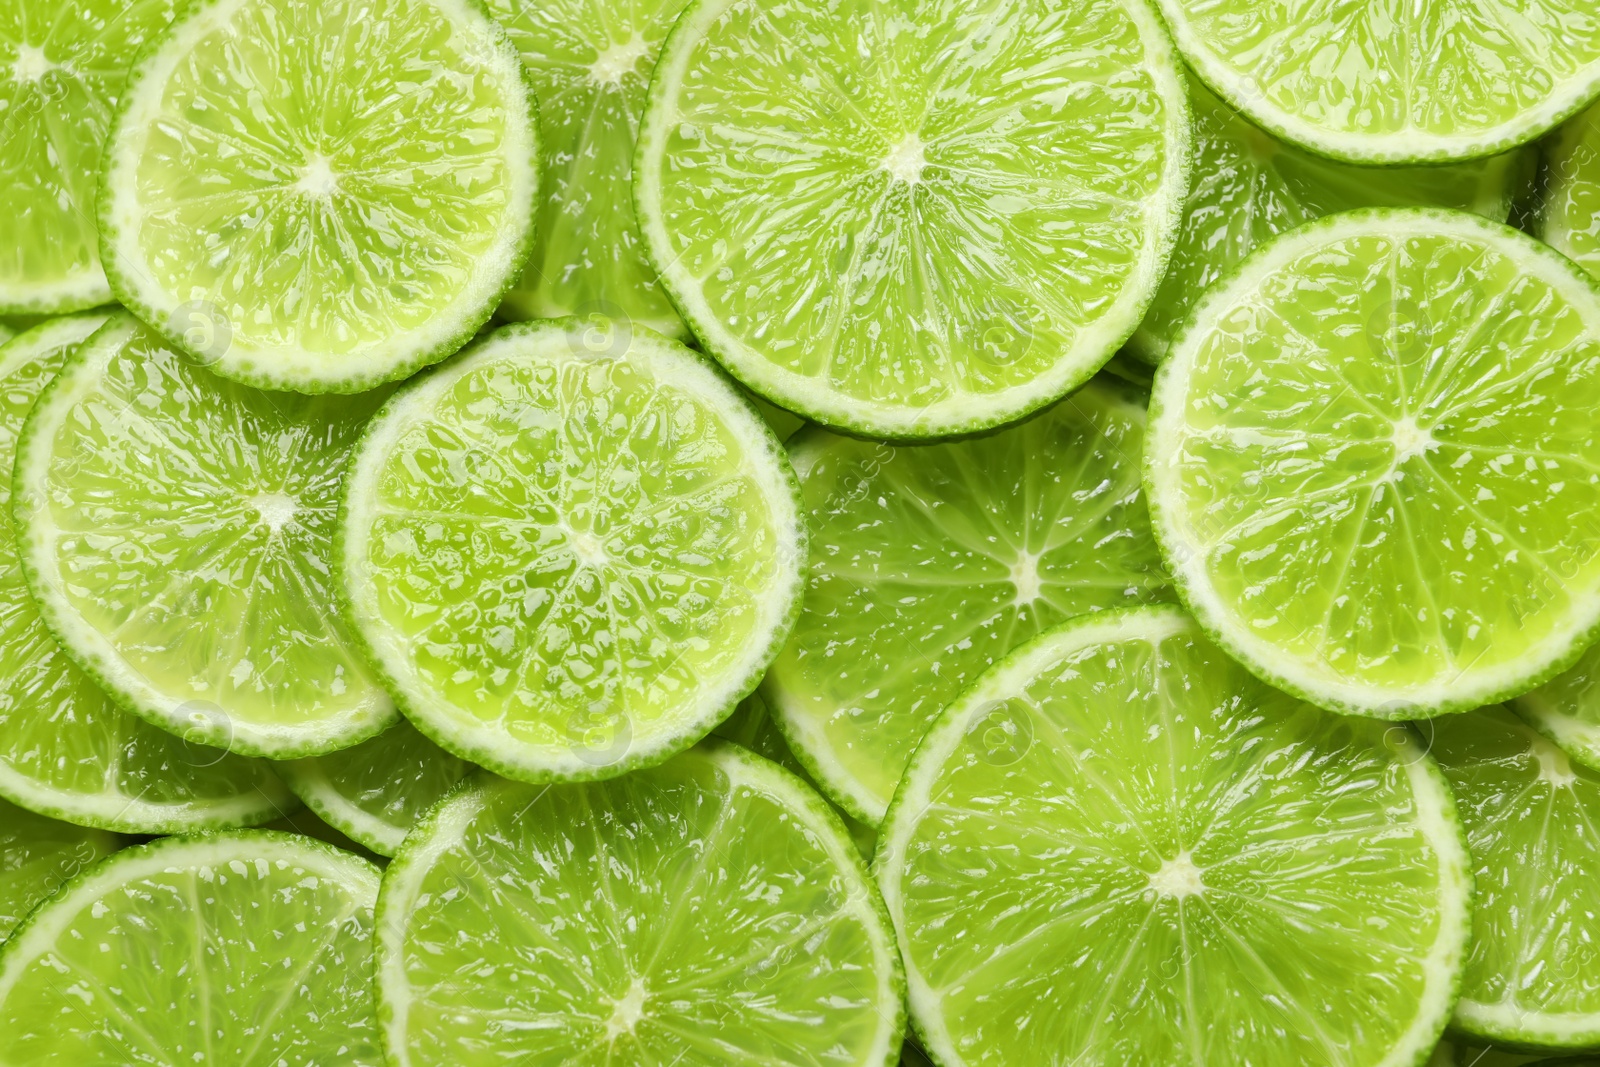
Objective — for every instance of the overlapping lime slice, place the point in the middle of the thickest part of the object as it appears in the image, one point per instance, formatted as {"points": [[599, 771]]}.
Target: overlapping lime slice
{"points": [[930, 562], [1566, 709], [37, 855], [321, 196], [1396, 83], [709, 910], [1372, 465], [248, 949], [176, 531], [1118, 847], [1570, 219], [913, 219]]}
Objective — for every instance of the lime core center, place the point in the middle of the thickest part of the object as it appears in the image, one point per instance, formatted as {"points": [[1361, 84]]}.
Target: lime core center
{"points": [[586, 546], [618, 61], [1553, 764], [626, 1010], [1411, 440], [31, 64], [275, 510], [317, 178], [906, 160], [1025, 577], [1178, 878]]}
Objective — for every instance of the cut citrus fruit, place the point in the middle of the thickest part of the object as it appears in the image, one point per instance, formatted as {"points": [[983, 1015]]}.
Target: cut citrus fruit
{"points": [[918, 219], [1396, 83], [37, 855], [590, 64], [176, 531], [1570, 219], [248, 949], [1250, 187], [1118, 847], [376, 791], [63, 64], [709, 910], [321, 196], [1566, 709], [930, 562], [569, 564], [1530, 816], [1371, 466]]}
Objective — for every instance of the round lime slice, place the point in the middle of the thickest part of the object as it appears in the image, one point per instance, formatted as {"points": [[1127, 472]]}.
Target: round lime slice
{"points": [[1570, 220], [1371, 462], [590, 65], [570, 563], [176, 531], [709, 910], [63, 64], [1249, 187], [930, 562], [1396, 83], [248, 949], [917, 221], [321, 197], [37, 855], [1119, 847], [1530, 815], [376, 791]]}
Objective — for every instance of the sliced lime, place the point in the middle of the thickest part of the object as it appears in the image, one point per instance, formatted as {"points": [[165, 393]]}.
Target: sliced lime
{"points": [[325, 196], [1372, 466], [1396, 83], [590, 64], [569, 564], [37, 855], [930, 562], [1530, 816], [248, 949], [176, 531], [1566, 709], [919, 219], [1118, 847], [376, 791], [1250, 187], [709, 910], [1570, 220]]}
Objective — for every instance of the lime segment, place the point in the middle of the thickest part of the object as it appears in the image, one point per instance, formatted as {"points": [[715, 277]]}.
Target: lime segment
{"points": [[1571, 218], [37, 855]]}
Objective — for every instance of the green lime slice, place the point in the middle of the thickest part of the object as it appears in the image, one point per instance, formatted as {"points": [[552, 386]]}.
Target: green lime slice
{"points": [[37, 855], [1119, 847], [709, 910], [1566, 709], [1530, 815], [248, 949], [590, 65], [918, 219], [930, 562], [1386, 83], [570, 564], [63, 64], [1570, 220], [376, 791], [65, 749], [176, 531], [1371, 463], [1249, 187], [321, 196]]}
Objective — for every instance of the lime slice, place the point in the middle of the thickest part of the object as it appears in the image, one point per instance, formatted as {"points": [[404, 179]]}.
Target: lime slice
{"points": [[376, 791], [63, 64], [916, 220], [1396, 83], [321, 197], [1371, 464], [1570, 220], [590, 65], [177, 532], [1566, 709], [1250, 187], [247, 949], [65, 749], [37, 855], [570, 564], [1118, 847], [1530, 815], [930, 562], [710, 910]]}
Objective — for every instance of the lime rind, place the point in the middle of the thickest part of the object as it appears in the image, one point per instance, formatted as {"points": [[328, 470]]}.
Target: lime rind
{"points": [[1566, 709], [1569, 218], [39, 855]]}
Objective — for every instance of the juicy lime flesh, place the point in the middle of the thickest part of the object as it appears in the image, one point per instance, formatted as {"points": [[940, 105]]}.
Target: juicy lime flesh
{"points": [[1530, 816], [930, 562], [65, 749], [1383, 466], [189, 523], [590, 66], [1567, 708], [1189, 876], [62, 67], [248, 954], [1572, 210], [670, 915], [37, 855], [880, 210]]}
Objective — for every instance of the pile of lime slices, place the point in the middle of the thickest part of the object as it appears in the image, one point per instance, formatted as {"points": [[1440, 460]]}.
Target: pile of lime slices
{"points": [[687, 533]]}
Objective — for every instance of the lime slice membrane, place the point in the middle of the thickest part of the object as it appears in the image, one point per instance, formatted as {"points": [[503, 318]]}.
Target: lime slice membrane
{"points": [[37, 855], [1570, 219], [1186, 879]]}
